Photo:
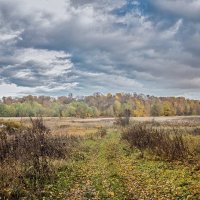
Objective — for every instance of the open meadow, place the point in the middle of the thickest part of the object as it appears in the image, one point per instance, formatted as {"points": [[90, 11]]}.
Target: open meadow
{"points": [[99, 100], [102, 158]]}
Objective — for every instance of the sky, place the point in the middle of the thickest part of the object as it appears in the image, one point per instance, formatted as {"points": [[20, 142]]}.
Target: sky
{"points": [[57, 47]]}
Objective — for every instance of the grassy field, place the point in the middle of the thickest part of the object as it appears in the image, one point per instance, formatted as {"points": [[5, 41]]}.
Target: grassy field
{"points": [[94, 159], [107, 169]]}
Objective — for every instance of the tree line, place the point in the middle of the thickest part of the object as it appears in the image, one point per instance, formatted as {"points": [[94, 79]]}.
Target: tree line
{"points": [[98, 105]]}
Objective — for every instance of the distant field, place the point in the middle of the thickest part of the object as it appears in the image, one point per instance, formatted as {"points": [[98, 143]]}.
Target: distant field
{"points": [[79, 126], [103, 119]]}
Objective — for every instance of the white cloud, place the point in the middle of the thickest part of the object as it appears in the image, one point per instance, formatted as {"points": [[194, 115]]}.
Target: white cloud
{"points": [[44, 10], [52, 63], [9, 36], [172, 31], [39, 69], [10, 89], [25, 73]]}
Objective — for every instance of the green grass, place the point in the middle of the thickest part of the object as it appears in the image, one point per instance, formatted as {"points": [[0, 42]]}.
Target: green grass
{"points": [[107, 169]]}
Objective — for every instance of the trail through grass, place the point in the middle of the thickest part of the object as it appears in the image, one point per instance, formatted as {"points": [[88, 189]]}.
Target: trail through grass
{"points": [[107, 169]]}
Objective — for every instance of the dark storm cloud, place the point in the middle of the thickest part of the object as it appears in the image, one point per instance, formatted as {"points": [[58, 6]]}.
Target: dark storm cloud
{"points": [[85, 46]]}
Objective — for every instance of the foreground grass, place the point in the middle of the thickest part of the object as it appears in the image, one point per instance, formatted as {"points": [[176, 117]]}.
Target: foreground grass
{"points": [[107, 169]]}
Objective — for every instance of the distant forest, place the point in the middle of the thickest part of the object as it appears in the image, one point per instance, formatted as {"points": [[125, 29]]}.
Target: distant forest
{"points": [[97, 105]]}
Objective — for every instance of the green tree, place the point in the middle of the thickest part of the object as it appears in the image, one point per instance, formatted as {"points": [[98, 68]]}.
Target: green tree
{"points": [[117, 107], [157, 110]]}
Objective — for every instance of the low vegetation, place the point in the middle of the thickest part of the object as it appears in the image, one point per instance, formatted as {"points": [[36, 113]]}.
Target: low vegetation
{"points": [[26, 158], [148, 160], [167, 144]]}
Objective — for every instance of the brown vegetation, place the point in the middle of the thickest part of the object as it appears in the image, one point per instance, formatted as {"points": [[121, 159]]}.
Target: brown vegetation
{"points": [[88, 159], [170, 144], [25, 158]]}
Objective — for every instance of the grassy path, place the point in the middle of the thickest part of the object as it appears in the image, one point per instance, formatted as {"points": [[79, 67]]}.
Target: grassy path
{"points": [[107, 169]]}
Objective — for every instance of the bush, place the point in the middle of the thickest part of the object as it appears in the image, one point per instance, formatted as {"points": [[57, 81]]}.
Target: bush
{"points": [[123, 119], [195, 131], [101, 132], [167, 145], [30, 151]]}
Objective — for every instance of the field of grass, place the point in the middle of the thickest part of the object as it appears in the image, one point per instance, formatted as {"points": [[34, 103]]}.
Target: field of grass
{"points": [[96, 160]]}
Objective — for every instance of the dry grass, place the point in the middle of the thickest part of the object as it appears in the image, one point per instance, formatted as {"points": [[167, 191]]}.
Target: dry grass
{"points": [[170, 144]]}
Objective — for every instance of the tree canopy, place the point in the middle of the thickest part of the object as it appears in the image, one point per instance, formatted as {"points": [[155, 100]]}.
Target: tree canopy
{"points": [[109, 105]]}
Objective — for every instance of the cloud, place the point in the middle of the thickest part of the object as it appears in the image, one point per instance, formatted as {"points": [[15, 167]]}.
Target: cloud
{"points": [[38, 69], [10, 89], [84, 46], [183, 8], [106, 5]]}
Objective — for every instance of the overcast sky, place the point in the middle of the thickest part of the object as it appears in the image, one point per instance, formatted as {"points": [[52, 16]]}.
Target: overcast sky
{"points": [[55, 47]]}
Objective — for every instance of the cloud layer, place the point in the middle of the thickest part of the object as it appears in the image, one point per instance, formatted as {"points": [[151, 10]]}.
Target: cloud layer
{"points": [[56, 47]]}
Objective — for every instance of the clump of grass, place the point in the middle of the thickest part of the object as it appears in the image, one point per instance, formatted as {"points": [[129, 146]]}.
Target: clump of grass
{"points": [[112, 151], [167, 145], [10, 126], [101, 132], [195, 131]]}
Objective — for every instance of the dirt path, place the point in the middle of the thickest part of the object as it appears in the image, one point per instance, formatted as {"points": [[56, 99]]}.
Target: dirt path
{"points": [[102, 119], [106, 169]]}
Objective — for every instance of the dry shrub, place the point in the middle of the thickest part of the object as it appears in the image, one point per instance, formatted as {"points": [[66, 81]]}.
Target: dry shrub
{"points": [[30, 149], [167, 145], [195, 131], [101, 132], [123, 119]]}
